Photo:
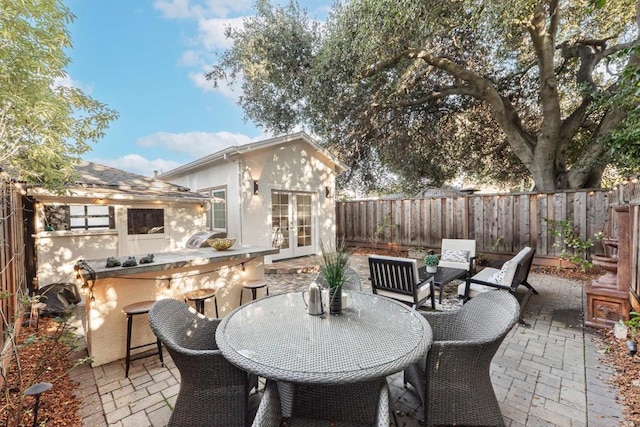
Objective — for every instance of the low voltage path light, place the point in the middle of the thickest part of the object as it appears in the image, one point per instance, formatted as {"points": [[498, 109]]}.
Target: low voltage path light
{"points": [[36, 390]]}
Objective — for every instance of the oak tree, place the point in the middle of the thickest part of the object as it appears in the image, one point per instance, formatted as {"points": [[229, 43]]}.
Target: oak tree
{"points": [[431, 90]]}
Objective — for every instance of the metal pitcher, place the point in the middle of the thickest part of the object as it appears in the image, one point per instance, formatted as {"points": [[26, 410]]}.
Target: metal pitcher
{"points": [[313, 300]]}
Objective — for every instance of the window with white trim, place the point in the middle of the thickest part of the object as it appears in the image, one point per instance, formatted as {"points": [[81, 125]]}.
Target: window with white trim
{"points": [[218, 217], [79, 217]]}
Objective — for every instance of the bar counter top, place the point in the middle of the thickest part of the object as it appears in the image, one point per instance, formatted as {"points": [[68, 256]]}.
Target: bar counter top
{"points": [[179, 259], [170, 275]]}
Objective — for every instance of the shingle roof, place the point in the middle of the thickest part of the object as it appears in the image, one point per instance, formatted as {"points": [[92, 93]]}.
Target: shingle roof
{"points": [[101, 179]]}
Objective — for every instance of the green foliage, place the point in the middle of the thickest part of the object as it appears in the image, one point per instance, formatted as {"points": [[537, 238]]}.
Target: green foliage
{"points": [[624, 141], [334, 263], [633, 323], [431, 260], [573, 247], [44, 127], [417, 93]]}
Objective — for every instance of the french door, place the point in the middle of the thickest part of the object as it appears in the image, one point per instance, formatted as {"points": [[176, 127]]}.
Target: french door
{"points": [[292, 223]]}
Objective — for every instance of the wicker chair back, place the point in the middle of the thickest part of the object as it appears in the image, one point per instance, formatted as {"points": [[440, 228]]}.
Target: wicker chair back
{"points": [[212, 390], [455, 385]]}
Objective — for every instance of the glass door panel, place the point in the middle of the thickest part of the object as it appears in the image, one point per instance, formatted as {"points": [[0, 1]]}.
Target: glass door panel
{"points": [[304, 220], [280, 219]]}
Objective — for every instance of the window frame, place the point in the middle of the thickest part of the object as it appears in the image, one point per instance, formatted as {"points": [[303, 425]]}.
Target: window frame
{"points": [[211, 217], [64, 210], [130, 226]]}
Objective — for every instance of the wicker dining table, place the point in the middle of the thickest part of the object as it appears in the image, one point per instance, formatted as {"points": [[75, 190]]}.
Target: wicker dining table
{"points": [[275, 338]]}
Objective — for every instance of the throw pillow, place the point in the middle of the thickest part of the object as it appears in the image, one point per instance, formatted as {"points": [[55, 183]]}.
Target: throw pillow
{"points": [[455, 255], [499, 276]]}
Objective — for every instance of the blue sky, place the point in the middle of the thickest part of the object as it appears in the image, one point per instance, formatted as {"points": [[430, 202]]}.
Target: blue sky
{"points": [[147, 59]]}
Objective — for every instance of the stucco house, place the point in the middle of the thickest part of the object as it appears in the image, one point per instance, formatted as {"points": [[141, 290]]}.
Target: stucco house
{"points": [[107, 212], [276, 192]]}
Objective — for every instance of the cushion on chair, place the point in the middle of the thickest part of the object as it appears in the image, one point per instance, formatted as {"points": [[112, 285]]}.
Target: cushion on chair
{"points": [[486, 274], [498, 277], [474, 290], [424, 291], [519, 257], [455, 255]]}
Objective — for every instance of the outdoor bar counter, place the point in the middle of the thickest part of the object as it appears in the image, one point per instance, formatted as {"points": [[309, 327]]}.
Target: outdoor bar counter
{"points": [[170, 275]]}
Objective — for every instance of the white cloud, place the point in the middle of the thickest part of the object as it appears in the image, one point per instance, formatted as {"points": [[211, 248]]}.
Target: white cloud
{"points": [[177, 9], [224, 8], [232, 91], [197, 77], [67, 81], [210, 18], [135, 163], [181, 9], [211, 32], [194, 144], [189, 58]]}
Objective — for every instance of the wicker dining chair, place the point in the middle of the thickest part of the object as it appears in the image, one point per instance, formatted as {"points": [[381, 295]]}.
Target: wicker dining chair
{"points": [[455, 388], [212, 390], [355, 404], [351, 283]]}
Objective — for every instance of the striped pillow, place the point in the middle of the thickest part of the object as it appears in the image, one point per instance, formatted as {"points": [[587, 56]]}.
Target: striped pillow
{"points": [[455, 255], [498, 277]]}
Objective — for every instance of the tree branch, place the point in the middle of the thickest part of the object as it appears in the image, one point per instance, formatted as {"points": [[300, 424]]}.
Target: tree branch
{"points": [[617, 48], [571, 124], [440, 94], [555, 18]]}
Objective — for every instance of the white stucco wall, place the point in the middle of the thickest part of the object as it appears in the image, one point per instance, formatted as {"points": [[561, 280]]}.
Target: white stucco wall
{"points": [[293, 167], [224, 175], [58, 251]]}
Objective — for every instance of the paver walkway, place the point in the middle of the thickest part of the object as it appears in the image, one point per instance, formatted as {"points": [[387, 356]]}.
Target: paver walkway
{"points": [[545, 374]]}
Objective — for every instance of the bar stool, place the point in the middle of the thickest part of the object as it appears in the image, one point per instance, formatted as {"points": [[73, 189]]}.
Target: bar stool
{"points": [[131, 310], [199, 295], [254, 285]]}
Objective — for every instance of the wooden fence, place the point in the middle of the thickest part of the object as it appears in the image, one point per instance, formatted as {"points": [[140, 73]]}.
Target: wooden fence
{"points": [[628, 193], [500, 223], [12, 266]]}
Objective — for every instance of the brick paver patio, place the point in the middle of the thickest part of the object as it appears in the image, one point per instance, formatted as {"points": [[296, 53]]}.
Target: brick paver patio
{"points": [[548, 373]]}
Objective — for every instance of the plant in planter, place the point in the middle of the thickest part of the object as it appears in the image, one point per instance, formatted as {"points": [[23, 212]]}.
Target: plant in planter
{"points": [[431, 261], [334, 263]]}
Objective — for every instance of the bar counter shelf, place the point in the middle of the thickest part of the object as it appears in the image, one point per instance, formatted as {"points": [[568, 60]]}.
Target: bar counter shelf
{"points": [[169, 275]]}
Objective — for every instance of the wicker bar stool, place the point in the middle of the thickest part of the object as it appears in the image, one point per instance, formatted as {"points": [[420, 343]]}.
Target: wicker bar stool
{"points": [[254, 285], [130, 311], [199, 296]]}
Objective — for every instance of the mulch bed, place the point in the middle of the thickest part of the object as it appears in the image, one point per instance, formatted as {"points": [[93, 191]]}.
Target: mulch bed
{"points": [[44, 360], [626, 377]]}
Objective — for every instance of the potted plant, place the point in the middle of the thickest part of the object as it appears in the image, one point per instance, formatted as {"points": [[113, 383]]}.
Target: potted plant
{"points": [[431, 261], [334, 263]]}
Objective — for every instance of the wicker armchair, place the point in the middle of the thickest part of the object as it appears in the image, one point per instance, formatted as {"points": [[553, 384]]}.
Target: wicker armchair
{"points": [[212, 390], [456, 389], [352, 282], [365, 404]]}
